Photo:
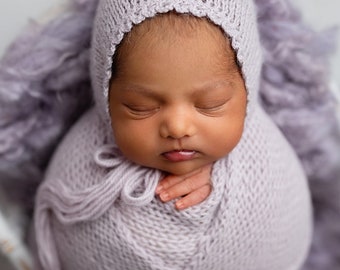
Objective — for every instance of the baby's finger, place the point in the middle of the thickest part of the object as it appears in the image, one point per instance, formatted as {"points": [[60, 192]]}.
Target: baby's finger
{"points": [[172, 180], [184, 187], [194, 197], [168, 182]]}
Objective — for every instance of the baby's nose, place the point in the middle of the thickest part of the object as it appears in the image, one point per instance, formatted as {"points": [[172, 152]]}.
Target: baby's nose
{"points": [[178, 125]]}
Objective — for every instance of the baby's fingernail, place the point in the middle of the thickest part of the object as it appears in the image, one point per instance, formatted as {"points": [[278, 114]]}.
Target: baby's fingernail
{"points": [[164, 197], [180, 205], [159, 189]]}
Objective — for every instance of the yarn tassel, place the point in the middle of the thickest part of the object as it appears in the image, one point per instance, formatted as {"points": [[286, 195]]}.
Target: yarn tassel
{"points": [[70, 207]]}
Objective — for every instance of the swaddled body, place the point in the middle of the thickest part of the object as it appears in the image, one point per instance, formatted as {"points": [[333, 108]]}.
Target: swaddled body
{"points": [[104, 214], [253, 219]]}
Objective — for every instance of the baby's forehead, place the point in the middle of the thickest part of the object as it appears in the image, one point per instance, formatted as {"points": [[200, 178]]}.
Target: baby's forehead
{"points": [[171, 28]]}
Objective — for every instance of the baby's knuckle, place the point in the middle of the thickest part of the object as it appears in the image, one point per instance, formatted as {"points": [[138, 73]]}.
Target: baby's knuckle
{"points": [[190, 185], [203, 193]]}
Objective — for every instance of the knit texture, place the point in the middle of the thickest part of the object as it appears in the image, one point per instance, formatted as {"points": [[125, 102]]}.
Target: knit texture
{"points": [[104, 214], [97, 210]]}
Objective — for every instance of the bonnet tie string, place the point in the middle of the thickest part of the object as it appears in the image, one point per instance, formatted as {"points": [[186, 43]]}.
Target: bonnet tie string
{"points": [[134, 185]]}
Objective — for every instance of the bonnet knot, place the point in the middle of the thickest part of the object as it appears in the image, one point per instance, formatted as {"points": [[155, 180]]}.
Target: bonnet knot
{"points": [[138, 184], [134, 185]]}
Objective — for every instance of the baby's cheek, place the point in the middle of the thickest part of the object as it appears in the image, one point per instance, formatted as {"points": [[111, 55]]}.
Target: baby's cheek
{"points": [[224, 139], [132, 145]]}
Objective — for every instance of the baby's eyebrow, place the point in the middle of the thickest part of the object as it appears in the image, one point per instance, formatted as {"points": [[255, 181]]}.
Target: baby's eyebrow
{"points": [[197, 90], [212, 85], [138, 89]]}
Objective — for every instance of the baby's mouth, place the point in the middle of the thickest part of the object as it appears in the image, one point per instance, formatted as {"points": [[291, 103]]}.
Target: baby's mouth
{"points": [[179, 155]]}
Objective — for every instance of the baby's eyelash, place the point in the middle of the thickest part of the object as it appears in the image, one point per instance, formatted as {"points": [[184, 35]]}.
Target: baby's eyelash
{"points": [[141, 110], [211, 107]]}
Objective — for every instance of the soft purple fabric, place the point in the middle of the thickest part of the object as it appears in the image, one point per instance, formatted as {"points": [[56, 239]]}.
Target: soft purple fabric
{"points": [[295, 92], [44, 87]]}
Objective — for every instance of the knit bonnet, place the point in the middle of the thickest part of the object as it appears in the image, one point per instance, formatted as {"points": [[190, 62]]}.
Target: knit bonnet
{"points": [[237, 18]]}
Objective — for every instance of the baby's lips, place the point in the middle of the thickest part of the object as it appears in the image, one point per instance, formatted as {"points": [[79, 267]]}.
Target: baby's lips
{"points": [[179, 155]]}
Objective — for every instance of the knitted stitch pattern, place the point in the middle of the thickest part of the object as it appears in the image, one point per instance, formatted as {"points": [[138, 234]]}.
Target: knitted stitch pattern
{"points": [[105, 215], [104, 212]]}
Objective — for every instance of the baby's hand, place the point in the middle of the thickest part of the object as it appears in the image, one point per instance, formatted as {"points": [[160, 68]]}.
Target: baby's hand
{"points": [[193, 187]]}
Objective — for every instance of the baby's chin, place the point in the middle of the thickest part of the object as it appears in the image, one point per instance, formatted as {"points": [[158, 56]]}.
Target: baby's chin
{"points": [[181, 168]]}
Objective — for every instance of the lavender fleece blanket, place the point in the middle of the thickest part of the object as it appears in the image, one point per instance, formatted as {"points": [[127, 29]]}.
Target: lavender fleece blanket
{"points": [[45, 72]]}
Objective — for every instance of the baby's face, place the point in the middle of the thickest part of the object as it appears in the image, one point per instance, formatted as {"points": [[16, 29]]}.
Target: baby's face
{"points": [[178, 104]]}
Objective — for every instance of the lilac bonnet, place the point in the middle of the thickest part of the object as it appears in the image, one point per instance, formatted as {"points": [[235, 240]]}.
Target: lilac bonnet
{"points": [[116, 17]]}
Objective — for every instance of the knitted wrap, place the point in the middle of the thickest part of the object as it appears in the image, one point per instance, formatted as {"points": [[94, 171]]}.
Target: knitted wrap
{"points": [[97, 210]]}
